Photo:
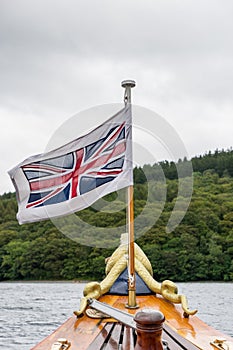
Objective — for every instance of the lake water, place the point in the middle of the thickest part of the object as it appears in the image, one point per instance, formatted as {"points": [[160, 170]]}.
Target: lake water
{"points": [[30, 311]]}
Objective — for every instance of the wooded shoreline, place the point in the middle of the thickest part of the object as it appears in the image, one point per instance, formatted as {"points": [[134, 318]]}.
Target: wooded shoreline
{"points": [[199, 249]]}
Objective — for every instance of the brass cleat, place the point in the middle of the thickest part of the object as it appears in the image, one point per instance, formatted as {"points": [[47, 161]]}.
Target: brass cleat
{"points": [[220, 343], [61, 344]]}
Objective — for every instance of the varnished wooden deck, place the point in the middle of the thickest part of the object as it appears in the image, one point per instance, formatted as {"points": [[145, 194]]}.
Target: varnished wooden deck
{"points": [[93, 334]]}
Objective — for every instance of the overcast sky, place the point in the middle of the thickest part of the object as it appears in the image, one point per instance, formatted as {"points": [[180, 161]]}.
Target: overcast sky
{"points": [[61, 57]]}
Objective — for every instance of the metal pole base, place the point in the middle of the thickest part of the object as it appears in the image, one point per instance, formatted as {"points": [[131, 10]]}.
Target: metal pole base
{"points": [[132, 304]]}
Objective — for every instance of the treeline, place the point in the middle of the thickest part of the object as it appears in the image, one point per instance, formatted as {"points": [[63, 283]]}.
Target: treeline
{"points": [[200, 247], [221, 161]]}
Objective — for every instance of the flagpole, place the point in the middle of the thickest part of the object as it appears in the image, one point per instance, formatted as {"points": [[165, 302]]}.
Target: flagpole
{"points": [[128, 84]]}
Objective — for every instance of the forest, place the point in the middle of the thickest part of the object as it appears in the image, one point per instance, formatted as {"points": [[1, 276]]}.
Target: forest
{"points": [[200, 248]]}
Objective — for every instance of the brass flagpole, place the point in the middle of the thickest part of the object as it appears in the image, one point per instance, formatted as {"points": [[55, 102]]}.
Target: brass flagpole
{"points": [[128, 84]]}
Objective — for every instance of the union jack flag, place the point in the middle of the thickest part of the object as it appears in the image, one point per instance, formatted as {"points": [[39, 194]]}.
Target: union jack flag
{"points": [[75, 175], [61, 178]]}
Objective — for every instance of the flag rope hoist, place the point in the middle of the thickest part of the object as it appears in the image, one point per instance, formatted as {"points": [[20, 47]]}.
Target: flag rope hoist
{"points": [[127, 85]]}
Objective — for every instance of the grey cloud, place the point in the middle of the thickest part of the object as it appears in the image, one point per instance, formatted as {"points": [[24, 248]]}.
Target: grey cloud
{"points": [[59, 56]]}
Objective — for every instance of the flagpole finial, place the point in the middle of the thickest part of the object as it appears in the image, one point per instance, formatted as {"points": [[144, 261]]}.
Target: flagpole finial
{"points": [[128, 82], [128, 85]]}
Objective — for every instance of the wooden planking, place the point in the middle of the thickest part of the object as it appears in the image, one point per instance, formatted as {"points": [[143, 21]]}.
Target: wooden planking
{"points": [[128, 339], [192, 328], [112, 336], [101, 338], [80, 332], [114, 339], [175, 341], [83, 331]]}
